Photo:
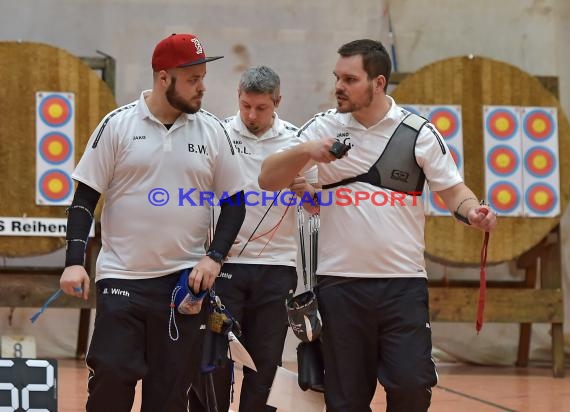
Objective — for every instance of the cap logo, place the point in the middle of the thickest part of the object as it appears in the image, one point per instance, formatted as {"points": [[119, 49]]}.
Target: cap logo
{"points": [[197, 45]]}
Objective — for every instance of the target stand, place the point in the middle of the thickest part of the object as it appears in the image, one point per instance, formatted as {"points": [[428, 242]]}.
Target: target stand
{"points": [[532, 244], [34, 71]]}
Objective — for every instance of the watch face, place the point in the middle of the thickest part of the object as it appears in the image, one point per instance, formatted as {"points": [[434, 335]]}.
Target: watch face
{"points": [[28, 384]]}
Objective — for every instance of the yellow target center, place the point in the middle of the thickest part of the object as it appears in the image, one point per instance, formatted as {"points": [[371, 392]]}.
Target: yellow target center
{"points": [[541, 198], [443, 124], [504, 197], [55, 148], [55, 185], [502, 124], [539, 125], [55, 111], [503, 160], [539, 162]]}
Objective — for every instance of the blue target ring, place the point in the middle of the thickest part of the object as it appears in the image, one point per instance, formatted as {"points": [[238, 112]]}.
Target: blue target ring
{"points": [[411, 109], [504, 197], [55, 185], [55, 148], [502, 124], [541, 198], [55, 110], [539, 125], [445, 121]]}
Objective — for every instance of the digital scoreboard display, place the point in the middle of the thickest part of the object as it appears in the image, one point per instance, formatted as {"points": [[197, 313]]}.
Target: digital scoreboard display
{"points": [[28, 385]]}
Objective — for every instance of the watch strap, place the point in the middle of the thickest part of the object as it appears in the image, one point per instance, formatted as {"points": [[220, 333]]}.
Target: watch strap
{"points": [[215, 255]]}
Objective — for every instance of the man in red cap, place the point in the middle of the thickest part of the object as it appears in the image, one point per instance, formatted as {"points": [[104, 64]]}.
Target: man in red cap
{"points": [[154, 160]]}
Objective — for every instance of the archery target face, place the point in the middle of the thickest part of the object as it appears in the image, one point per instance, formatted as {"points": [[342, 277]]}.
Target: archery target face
{"points": [[502, 124], [503, 160], [446, 122], [541, 198], [55, 110], [436, 202], [55, 141], [540, 162], [55, 185], [55, 148], [539, 125], [504, 197]]}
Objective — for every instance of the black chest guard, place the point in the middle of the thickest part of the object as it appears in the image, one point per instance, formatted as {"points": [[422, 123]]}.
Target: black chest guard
{"points": [[396, 169]]}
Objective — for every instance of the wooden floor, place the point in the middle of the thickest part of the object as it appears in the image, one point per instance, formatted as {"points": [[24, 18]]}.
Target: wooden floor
{"points": [[462, 388]]}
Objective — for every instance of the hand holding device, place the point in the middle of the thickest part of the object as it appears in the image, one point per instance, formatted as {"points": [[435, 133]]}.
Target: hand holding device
{"points": [[339, 149]]}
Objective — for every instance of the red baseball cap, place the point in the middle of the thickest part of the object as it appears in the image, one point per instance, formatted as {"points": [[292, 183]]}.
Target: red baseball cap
{"points": [[179, 50]]}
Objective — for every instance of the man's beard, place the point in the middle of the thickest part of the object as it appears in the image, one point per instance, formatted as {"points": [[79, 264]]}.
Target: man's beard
{"points": [[253, 128], [178, 103], [353, 107]]}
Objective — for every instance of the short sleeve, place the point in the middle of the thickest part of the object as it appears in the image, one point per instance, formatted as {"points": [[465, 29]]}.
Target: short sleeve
{"points": [[434, 157], [229, 178], [96, 166]]}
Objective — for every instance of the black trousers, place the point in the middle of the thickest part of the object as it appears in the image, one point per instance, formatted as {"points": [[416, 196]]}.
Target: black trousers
{"points": [[131, 341], [376, 329], [255, 295]]}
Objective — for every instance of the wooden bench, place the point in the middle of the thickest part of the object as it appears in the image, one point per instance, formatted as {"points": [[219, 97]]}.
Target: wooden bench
{"points": [[30, 287], [509, 301]]}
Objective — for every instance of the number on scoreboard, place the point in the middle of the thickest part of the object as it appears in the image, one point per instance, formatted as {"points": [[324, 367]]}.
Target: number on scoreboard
{"points": [[28, 385]]}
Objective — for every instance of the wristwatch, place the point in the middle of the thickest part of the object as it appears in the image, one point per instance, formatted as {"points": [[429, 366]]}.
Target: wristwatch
{"points": [[215, 256]]}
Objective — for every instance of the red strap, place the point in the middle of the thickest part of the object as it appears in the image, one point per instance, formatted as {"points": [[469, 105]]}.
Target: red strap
{"points": [[482, 284]]}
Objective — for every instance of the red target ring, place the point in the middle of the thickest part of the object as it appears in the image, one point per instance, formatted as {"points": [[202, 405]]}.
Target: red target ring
{"points": [[504, 197], [437, 202], [455, 156], [541, 198], [55, 185], [502, 124], [445, 121], [538, 125], [55, 148], [503, 160], [55, 110], [540, 162]]}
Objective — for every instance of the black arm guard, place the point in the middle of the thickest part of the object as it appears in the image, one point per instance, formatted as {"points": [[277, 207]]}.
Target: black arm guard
{"points": [[231, 217], [79, 220]]}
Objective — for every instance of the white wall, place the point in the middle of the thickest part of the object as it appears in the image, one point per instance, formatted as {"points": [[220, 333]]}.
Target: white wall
{"points": [[297, 38], [532, 35]]}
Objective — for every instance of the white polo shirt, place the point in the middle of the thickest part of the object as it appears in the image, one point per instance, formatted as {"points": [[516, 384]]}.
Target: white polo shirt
{"points": [[273, 243], [138, 164], [369, 240]]}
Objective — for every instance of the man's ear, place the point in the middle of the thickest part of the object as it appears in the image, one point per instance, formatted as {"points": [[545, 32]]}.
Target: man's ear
{"points": [[380, 83], [162, 77], [277, 101]]}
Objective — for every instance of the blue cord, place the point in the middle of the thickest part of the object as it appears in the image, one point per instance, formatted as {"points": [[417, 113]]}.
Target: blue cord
{"points": [[46, 304]]}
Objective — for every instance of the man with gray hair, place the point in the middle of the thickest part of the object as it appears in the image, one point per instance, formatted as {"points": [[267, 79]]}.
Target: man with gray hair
{"points": [[261, 269]]}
